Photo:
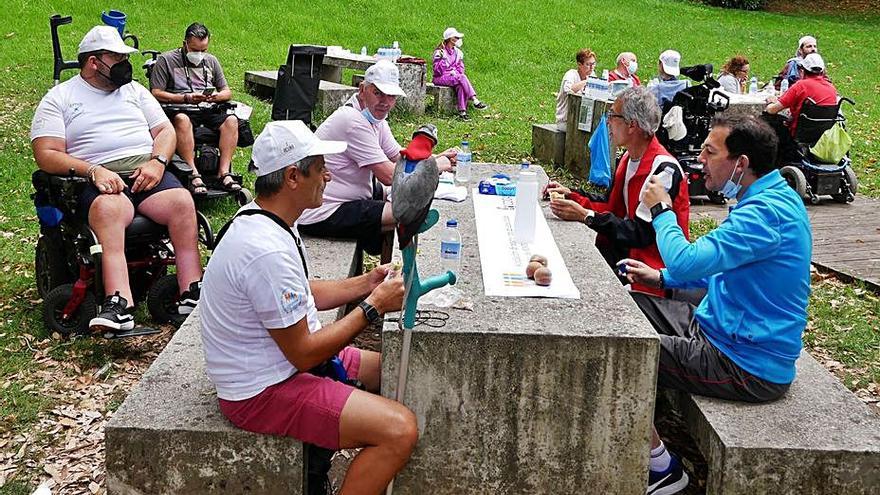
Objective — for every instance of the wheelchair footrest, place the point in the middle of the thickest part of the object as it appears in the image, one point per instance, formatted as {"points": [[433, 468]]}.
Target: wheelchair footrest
{"points": [[134, 332]]}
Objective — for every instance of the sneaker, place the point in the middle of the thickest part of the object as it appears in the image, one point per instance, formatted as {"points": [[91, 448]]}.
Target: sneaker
{"points": [[463, 115], [115, 315], [480, 105], [189, 298], [672, 480]]}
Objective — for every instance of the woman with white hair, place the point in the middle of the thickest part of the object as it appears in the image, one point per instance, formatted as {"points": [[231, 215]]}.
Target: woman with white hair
{"points": [[449, 71], [806, 46]]}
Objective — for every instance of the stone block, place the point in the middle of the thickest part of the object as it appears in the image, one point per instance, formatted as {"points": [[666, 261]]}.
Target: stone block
{"points": [[443, 99], [548, 144], [169, 435], [333, 95], [527, 395], [818, 439]]}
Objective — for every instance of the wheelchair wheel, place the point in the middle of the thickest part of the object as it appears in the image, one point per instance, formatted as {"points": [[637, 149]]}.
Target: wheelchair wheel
{"points": [[848, 188], [50, 267], [796, 179], [244, 196], [716, 198], [162, 301], [53, 307], [141, 280]]}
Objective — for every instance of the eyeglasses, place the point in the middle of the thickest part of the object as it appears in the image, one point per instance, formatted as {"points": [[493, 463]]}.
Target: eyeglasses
{"points": [[590, 64], [610, 115]]}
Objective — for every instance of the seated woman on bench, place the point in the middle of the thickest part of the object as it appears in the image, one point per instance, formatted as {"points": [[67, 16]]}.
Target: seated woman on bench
{"points": [[191, 75], [449, 71]]}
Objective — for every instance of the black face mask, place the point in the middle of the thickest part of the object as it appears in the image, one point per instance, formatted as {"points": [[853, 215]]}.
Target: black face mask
{"points": [[120, 73]]}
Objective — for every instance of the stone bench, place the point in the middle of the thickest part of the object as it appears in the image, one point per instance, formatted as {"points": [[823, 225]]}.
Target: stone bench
{"points": [[331, 95], [819, 438], [169, 435], [548, 144], [444, 99]]}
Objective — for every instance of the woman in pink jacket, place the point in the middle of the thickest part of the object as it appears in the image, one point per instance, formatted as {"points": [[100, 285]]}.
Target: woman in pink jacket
{"points": [[449, 71]]}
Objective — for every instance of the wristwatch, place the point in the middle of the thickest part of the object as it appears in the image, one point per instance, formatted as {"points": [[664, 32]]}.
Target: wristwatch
{"points": [[161, 159], [370, 312], [588, 220], [659, 208]]}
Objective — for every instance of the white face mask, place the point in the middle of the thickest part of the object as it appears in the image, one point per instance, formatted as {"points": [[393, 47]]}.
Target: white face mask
{"points": [[632, 67], [730, 188], [458, 42], [195, 58]]}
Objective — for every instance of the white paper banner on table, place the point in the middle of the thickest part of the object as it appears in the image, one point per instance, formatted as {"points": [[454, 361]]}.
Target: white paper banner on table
{"points": [[504, 260]]}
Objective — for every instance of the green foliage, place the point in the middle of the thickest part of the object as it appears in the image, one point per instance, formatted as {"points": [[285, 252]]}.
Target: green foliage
{"points": [[737, 4]]}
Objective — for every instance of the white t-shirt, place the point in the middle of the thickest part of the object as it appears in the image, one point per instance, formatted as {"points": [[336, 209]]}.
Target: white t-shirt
{"points": [[368, 144], [99, 126], [568, 79], [254, 281]]}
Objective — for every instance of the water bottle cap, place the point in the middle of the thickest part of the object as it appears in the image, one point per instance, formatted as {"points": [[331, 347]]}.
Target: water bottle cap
{"points": [[465, 143], [524, 164], [452, 223]]}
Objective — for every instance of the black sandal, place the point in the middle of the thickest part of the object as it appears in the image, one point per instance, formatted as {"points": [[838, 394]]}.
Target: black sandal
{"points": [[197, 185], [230, 185]]}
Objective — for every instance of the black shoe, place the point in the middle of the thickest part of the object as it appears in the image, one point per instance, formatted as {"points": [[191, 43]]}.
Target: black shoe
{"points": [[189, 298], [115, 315], [672, 480], [463, 115], [480, 106]]}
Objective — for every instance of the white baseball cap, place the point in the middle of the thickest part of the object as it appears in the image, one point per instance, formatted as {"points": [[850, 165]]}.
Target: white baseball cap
{"points": [[104, 38], [670, 60], [451, 32], [806, 39], [385, 76], [813, 63], [285, 142]]}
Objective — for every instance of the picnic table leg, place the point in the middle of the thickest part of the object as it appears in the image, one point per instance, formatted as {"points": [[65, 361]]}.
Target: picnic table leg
{"points": [[331, 73]]}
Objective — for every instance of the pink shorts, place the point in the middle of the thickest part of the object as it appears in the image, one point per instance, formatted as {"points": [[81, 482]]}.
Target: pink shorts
{"points": [[304, 406]]}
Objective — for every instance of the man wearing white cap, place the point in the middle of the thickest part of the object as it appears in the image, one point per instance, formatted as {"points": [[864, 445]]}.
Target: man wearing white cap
{"points": [[260, 327], [352, 207], [667, 83], [812, 84], [806, 45], [449, 71], [101, 125]]}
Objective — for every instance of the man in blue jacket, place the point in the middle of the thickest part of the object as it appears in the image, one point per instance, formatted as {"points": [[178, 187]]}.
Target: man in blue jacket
{"points": [[742, 340]]}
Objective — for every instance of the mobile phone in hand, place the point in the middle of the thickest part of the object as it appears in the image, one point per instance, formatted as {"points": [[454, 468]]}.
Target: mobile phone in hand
{"points": [[208, 91]]}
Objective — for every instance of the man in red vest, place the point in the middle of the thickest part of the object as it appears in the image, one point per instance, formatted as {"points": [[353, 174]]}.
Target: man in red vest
{"points": [[622, 221]]}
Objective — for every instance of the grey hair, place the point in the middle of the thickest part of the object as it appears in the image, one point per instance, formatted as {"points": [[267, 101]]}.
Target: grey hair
{"points": [[639, 105], [625, 55], [270, 184]]}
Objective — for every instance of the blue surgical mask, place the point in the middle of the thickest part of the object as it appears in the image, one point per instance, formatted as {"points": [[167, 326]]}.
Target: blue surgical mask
{"points": [[730, 188], [632, 67], [370, 118]]}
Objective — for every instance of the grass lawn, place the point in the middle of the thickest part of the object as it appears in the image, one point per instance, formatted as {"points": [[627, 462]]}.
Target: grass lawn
{"points": [[516, 53]]}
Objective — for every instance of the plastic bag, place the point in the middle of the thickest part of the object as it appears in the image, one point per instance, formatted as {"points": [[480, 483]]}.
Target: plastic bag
{"points": [[600, 158], [833, 145]]}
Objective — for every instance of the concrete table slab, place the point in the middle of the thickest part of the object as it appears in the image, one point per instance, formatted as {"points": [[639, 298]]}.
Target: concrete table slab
{"points": [[528, 395]]}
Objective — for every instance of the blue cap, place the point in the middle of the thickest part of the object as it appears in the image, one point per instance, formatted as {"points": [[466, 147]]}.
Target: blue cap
{"points": [[452, 223]]}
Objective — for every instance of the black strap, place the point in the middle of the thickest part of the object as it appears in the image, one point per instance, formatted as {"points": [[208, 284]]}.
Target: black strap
{"points": [[275, 218]]}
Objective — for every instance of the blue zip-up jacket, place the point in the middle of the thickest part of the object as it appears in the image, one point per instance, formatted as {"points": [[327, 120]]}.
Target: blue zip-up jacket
{"points": [[756, 267]]}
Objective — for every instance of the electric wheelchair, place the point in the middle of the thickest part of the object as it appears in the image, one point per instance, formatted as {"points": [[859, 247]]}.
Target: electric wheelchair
{"points": [[699, 105], [806, 173], [68, 261]]}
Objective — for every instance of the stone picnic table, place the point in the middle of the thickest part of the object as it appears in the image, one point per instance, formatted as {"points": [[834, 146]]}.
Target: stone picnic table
{"points": [[412, 76], [527, 395]]}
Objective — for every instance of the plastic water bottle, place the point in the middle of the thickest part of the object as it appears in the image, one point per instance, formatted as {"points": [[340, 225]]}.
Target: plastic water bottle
{"points": [[523, 167], [463, 167], [783, 86], [450, 247], [605, 74], [753, 86], [364, 51], [526, 207], [396, 51]]}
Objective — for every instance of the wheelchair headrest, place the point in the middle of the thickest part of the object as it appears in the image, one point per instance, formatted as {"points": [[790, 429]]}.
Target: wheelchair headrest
{"points": [[697, 72]]}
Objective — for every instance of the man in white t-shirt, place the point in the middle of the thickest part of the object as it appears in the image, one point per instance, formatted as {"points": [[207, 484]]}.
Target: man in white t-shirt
{"points": [[574, 81], [353, 208], [101, 125], [260, 327]]}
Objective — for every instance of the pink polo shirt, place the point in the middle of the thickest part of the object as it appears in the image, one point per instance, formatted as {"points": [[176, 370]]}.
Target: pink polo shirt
{"points": [[368, 144]]}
